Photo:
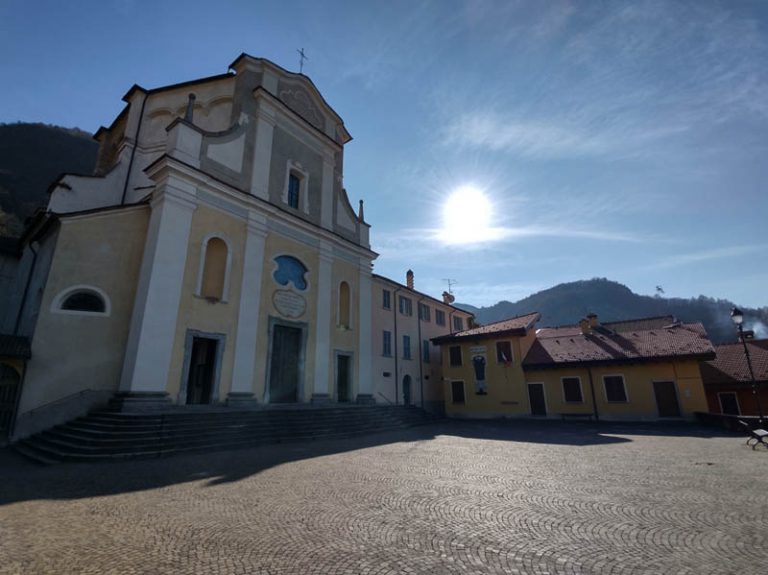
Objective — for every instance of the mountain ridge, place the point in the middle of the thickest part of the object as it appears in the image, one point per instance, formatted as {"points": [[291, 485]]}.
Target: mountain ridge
{"points": [[566, 303]]}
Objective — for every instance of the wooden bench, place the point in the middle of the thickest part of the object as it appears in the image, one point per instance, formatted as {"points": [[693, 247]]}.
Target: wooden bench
{"points": [[757, 435], [580, 416]]}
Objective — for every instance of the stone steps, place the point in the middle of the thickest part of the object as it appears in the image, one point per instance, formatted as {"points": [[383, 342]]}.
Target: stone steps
{"points": [[105, 436]]}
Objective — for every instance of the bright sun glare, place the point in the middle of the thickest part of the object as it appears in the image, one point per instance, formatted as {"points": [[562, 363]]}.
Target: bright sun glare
{"points": [[467, 217]]}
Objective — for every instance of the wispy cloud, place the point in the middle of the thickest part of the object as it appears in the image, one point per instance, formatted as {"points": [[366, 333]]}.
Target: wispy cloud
{"points": [[696, 257]]}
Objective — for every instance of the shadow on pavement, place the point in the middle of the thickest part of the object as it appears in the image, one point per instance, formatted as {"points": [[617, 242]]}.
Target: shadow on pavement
{"points": [[24, 480]]}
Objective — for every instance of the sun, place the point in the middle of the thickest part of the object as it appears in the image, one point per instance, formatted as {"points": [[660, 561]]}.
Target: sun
{"points": [[467, 215]]}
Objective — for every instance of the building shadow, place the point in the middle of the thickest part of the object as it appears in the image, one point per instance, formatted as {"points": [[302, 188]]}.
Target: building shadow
{"points": [[25, 480]]}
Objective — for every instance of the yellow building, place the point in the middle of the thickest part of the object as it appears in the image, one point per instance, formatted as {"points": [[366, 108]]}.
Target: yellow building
{"points": [[642, 369]]}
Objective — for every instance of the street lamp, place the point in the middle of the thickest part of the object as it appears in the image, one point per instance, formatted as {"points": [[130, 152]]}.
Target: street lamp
{"points": [[738, 318]]}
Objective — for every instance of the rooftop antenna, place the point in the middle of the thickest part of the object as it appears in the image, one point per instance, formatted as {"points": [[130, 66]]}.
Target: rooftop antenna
{"points": [[451, 283], [302, 57]]}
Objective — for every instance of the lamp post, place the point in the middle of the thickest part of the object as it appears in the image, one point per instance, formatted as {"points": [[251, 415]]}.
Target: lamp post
{"points": [[738, 318]]}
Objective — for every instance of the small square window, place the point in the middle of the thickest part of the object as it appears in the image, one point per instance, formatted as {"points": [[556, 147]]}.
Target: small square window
{"points": [[572, 390], [615, 391], [504, 351]]}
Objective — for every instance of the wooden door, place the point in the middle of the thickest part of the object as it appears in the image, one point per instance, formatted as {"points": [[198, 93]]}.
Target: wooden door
{"points": [[536, 397], [666, 398], [202, 371], [284, 367]]}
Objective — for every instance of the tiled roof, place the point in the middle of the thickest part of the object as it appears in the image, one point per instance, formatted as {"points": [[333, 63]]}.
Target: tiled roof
{"points": [[568, 345], [14, 346], [730, 365], [514, 325]]}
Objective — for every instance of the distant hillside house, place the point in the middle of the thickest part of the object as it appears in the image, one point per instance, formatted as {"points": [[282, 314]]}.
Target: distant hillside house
{"points": [[213, 259], [728, 382], [643, 369]]}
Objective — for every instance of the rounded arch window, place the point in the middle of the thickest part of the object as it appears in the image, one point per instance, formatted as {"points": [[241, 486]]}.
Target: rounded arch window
{"points": [[82, 300]]}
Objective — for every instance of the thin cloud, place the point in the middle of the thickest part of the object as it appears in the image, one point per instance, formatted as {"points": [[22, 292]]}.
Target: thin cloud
{"points": [[706, 255]]}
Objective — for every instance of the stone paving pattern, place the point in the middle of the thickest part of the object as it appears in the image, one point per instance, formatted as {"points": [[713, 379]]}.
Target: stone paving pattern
{"points": [[446, 498]]}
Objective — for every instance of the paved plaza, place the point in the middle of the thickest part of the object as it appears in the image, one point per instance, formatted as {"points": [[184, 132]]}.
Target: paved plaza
{"points": [[452, 497]]}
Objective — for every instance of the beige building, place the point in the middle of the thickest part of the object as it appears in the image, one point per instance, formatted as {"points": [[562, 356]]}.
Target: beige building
{"points": [[214, 258], [406, 365]]}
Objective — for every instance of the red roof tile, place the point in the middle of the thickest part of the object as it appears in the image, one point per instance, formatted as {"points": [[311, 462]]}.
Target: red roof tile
{"points": [[730, 365], [512, 326], [568, 345]]}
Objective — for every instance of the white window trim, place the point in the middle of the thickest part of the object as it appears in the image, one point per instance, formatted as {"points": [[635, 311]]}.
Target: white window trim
{"points": [[298, 169], [64, 294], [734, 394], [581, 389], [624, 383], [511, 352], [227, 267]]}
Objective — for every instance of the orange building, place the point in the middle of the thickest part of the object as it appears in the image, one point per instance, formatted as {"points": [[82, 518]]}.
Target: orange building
{"points": [[727, 380]]}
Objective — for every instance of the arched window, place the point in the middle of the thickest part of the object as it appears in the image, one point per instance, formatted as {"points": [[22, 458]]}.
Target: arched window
{"points": [[213, 276], [82, 300], [344, 298]]}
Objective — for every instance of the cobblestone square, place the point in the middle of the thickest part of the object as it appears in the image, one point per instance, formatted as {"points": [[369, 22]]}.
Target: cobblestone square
{"points": [[452, 497]]}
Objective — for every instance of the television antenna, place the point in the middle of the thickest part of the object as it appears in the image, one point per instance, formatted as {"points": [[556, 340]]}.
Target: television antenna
{"points": [[451, 283]]}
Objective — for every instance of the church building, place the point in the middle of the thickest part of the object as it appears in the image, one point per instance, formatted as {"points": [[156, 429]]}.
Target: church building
{"points": [[214, 258]]}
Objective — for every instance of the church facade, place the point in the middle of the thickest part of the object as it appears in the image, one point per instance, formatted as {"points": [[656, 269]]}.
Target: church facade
{"points": [[214, 258]]}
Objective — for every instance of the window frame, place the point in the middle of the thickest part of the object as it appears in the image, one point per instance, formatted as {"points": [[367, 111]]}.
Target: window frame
{"points": [[386, 343], [463, 392], [425, 312], [409, 307], [439, 317], [735, 397], [458, 323], [511, 352], [64, 294], [425, 351], [624, 384], [450, 356], [294, 168], [565, 395], [407, 347], [386, 299]]}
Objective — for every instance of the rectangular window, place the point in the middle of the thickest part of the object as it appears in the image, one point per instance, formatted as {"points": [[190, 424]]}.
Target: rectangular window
{"points": [[386, 349], [455, 355], [572, 390], [504, 351], [405, 306], [386, 299], [439, 317], [457, 392], [615, 391], [425, 312], [425, 350], [406, 347], [458, 324], [294, 185]]}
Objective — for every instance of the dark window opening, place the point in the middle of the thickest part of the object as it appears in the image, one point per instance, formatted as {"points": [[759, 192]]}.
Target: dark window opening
{"points": [[84, 301]]}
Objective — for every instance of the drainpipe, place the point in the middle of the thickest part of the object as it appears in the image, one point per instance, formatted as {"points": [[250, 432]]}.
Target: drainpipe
{"points": [[26, 289], [594, 398], [421, 352], [395, 305], [133, 152]]}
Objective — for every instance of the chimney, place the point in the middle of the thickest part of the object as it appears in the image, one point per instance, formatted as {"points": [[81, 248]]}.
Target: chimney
{"points": [[409, 279], [592, 319], [584, 325]]}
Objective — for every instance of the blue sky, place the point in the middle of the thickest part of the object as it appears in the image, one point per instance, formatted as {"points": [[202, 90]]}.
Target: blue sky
{"points": [[626, 140]]}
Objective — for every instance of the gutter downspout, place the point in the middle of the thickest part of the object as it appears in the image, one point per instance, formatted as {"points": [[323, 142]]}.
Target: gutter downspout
{"points": [[594, 398], [26, 289], [395, 305], [133, 152]]}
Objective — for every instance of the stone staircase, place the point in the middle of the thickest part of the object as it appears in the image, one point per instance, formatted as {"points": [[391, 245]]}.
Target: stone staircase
{"points": [[109, 436]]}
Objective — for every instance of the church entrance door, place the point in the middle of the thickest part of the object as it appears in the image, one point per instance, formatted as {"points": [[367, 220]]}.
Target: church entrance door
{"points": [[284, 367], [202, 371], [342, 378]]}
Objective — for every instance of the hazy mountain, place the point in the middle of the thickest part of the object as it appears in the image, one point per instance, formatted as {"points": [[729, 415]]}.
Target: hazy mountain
{"points": [[566, 303], [32, 156]]}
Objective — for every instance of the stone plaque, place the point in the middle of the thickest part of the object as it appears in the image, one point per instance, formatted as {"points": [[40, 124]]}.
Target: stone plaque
{"points": [[288, 303]]}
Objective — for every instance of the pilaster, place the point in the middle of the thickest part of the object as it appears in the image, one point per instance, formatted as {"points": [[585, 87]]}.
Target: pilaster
{"points": [[365, 375], [156, 306], [326, 196], [262, 150], [323, 324], [241, 392]]}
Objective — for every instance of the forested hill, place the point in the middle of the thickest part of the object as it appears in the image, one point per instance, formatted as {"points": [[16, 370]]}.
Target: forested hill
{"points": [[566, 303], [32, 156]]}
